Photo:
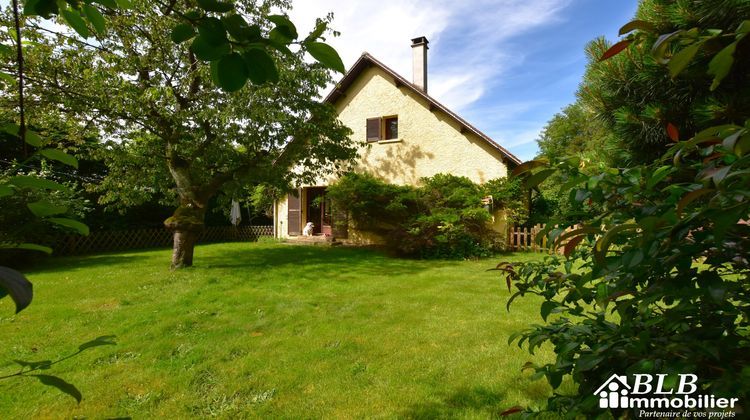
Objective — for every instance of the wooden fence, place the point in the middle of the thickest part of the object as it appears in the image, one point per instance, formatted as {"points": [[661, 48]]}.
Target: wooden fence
{"points": [[524, 239], [120, 240]]}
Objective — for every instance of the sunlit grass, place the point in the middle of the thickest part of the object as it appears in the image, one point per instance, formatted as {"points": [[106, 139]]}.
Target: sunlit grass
{"points": [[270, 330]]}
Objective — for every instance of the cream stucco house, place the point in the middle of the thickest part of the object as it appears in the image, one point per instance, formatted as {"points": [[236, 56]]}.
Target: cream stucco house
{"points": [[409, 135]]}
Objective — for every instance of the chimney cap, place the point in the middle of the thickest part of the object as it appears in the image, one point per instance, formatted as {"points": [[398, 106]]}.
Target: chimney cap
{"points": [[421, 40]]}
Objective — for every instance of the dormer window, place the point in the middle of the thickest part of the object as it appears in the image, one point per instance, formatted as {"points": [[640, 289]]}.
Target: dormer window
{"points": [[382, 128]]}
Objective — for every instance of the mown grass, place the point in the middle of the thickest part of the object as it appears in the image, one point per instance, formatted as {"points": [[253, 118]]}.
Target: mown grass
{"points": [[272, 331]]}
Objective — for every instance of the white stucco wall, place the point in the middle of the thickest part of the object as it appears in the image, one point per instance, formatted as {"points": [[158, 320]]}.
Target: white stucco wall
{"points": [[429, 142]]}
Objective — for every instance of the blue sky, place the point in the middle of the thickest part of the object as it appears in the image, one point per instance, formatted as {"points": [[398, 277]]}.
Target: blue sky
{"points": [[506, 66]]}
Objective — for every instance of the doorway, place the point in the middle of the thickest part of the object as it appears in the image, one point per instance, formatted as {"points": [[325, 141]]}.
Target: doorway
{"points": [[319, 210]]}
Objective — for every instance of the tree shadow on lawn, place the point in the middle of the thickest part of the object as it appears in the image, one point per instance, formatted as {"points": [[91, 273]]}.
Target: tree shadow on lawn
{"points": [[68, 263], [456, 405], [318, 259]]}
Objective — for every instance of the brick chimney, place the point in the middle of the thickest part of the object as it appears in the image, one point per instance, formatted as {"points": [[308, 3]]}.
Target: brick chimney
{"points": [[419, 62]]}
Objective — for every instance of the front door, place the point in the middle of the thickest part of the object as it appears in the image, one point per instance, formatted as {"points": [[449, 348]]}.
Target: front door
{"points": [[319, 210]]}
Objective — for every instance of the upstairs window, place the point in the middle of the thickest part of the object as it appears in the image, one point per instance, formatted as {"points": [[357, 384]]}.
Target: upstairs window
{"points": [[382, 128]]}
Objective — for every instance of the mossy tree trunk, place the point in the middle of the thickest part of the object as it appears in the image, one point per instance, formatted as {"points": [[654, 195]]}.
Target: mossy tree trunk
{"points": [[188, 219]]}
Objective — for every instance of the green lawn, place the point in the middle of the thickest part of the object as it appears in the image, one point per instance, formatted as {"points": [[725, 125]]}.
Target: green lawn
{"points": [[269, 330]]}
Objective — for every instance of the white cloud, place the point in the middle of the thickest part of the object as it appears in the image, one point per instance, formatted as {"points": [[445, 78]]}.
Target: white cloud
{"points": [[470, 41]]}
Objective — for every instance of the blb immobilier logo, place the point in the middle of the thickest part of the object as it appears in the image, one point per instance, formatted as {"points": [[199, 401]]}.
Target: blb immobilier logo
{"points": [[648, 395]]}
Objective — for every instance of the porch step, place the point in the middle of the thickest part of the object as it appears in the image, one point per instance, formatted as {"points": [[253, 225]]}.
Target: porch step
{"points": [[313, 240]]}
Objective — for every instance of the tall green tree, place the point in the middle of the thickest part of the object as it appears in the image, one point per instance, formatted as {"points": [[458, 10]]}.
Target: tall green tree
{"points": [[638, 100], [576, 131], [171, 130], [657, 281]]}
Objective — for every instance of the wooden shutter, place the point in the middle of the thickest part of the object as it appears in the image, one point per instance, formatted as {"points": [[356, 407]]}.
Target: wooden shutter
{"points": [[373, 129], [294, 214]]}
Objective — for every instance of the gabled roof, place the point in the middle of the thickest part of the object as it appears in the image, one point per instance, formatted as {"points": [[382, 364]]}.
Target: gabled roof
{"points": [[366, 61]]}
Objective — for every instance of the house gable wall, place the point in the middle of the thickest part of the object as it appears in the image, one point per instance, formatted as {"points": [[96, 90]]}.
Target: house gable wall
{"points": [[430, 142]]}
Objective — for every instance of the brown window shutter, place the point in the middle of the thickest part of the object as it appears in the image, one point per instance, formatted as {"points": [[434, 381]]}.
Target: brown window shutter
{"points": [[294, 214], [373, 129]]}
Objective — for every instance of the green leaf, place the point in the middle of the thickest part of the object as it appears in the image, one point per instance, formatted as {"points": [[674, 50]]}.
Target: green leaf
{"points": [[212, 31], [284, 27], [11, 129], [239, 29], [554, 379], [44, 208], [602, 245], [326, 55], [70, 223], [33, 138], [230, 72], [8, 78], [215, 6], [690, 197], [260, 66], [17, 286], [534, 180], [659, 176], [76, 22], [60, 156], [43, 8], [641, 25], [679, 61], [588, 362], [30, 247], [7, 50], [96, 19], [659, 49], [182, 32], [61, 385], [547, 307], [721, 64], [6, 191], [317, 32], [208, 52], [26, 181], [527, 166]]}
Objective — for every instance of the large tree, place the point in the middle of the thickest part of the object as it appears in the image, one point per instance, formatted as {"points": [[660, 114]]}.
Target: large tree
{"points": [[170, 130], [575, 131], [633, 95]]}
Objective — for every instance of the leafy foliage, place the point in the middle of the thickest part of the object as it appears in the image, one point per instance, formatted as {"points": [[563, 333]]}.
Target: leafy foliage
{"points": [[443, 218], [173, 134], [637, 99], [657, 280], [577, 133], [238, 50]]}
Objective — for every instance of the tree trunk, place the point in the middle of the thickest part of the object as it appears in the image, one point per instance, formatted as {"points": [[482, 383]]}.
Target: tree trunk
{"points": [[182, 250], [186, 224]]}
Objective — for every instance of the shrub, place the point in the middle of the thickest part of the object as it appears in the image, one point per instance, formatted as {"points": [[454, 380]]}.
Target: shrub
{"points": [[443, 218], [658, 280]]}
